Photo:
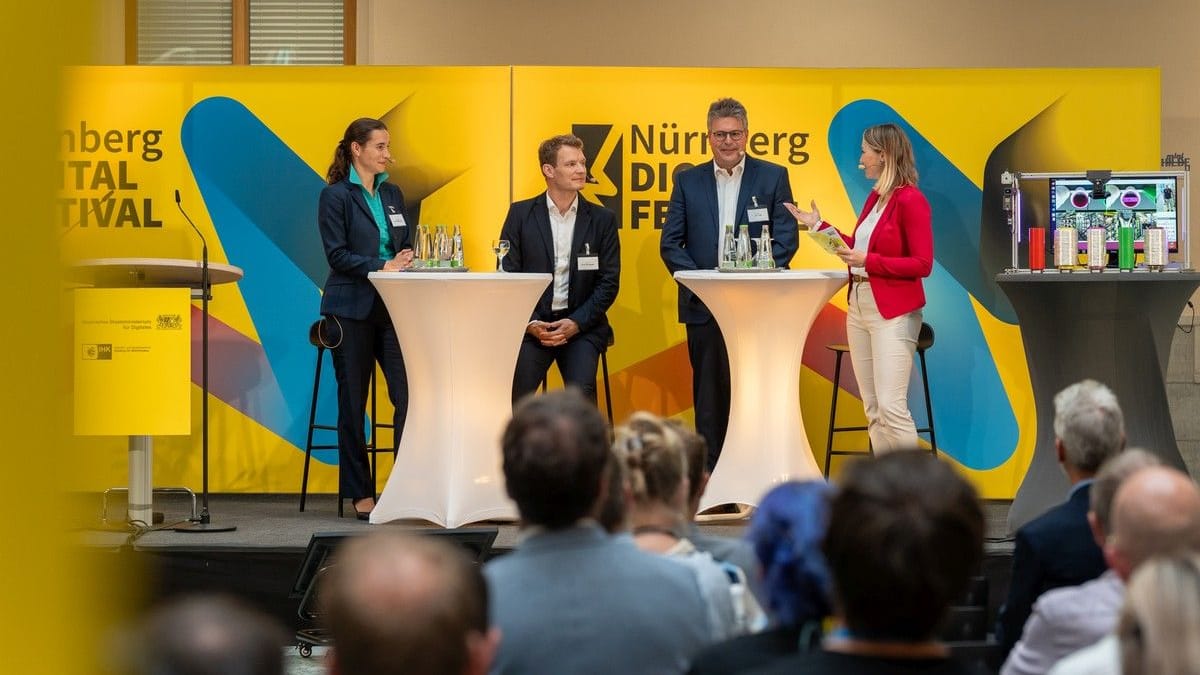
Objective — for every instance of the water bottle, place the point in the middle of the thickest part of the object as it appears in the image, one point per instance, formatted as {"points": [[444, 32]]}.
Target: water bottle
{"points": [[744, 257], [421, 233], [441, 246], [728, 249], [765, 260], [456, 256]]}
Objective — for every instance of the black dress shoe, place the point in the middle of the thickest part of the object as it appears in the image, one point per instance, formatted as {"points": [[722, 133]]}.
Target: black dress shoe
{"points": [[362, 515]]}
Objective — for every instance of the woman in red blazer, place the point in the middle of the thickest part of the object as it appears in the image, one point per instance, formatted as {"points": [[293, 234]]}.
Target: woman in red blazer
{"points": [[889, 253]]}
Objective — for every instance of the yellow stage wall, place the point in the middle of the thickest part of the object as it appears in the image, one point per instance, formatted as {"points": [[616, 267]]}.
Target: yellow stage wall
{"points": [[247, 148]]}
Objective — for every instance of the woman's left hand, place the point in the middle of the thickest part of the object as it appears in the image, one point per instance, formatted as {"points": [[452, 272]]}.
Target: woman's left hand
{"points": [[852, 257]]}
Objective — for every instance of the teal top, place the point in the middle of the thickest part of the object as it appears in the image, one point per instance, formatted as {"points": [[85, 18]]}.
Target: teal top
{"points": [[376, 205]]}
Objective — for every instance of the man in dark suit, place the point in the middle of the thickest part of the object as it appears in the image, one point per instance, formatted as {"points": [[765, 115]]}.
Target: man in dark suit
{"points": [[560, 233], [734, 189], [1057, 548]]}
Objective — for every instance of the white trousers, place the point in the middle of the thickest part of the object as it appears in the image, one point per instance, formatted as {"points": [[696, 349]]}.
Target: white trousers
{"points": [[882, 353]]}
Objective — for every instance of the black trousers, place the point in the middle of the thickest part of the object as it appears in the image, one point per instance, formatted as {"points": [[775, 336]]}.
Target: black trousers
{"points": [[576, 362], [365, 342], [710, 385]]}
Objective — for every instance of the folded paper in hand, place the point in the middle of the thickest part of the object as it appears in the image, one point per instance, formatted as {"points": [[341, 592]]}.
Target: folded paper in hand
{"points": [[829, 239]]}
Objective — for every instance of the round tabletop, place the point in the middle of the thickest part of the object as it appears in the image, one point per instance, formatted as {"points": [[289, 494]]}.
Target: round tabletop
{"points": [[157, 272]]}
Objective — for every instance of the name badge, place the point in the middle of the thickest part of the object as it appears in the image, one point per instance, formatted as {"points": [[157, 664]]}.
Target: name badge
{"points": [[397, 219], [589, 263], [758, 215]]}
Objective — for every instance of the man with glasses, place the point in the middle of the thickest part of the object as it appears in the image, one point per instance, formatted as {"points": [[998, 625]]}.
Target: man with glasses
{"points": [[734, 189]]}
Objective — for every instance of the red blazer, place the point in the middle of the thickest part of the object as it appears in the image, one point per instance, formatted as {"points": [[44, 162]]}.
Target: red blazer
{"points": [[901, 251]]}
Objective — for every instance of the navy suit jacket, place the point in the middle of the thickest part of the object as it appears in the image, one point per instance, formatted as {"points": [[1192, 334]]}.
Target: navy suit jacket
{"points": [[1055, 549], [589, 292], [351, 241], [692, 231]]}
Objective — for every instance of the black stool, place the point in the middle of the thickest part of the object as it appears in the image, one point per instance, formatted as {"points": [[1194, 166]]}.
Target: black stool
{"points": [[315, 339], [924, 342], [604, 373]]}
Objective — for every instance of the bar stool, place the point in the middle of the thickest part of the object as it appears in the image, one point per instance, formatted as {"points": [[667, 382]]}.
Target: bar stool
{"points": [[604, 375], [924, 342], [317, 337]]}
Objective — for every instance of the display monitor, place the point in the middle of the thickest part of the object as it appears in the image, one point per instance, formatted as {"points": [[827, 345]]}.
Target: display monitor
{"points": [[1129, 201], [322, 549]]}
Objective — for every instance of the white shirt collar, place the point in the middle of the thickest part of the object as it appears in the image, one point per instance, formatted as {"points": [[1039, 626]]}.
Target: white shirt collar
{"points": [[738, 168], [573, 208]]}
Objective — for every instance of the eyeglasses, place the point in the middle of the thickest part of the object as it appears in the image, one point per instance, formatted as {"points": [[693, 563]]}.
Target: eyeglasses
{"points": [[731, 135]]}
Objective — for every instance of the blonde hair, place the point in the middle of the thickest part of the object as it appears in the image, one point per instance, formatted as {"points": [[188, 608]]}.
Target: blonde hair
{"points": [[899, 167], [652, 454], [1159, 623]]}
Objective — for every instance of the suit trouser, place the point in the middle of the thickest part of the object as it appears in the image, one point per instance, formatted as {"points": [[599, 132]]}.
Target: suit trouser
{"points": [[710, 385], [576, 362], [882, 353], [365, 341]]}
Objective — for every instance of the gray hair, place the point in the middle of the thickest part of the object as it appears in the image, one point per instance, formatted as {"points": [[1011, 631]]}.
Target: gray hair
{"points": [[1088, 421], [728, 107], [1108, 480]]}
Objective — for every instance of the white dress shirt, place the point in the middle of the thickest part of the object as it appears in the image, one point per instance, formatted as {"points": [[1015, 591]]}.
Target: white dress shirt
{"points": [[562, 228], [728, 185]]}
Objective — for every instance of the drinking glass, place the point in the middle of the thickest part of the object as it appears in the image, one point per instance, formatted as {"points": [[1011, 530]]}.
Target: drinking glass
{"points": [[500, 248]]}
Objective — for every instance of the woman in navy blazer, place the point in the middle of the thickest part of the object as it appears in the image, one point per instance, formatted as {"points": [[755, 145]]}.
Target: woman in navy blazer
{"points": [[889, 253], [363, 229]]}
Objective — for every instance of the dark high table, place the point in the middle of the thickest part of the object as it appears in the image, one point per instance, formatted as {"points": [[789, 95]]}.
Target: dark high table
{"points": [[1112, 327]]}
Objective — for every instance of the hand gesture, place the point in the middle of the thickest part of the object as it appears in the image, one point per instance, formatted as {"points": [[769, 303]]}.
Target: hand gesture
{"points": [[810, 219]]}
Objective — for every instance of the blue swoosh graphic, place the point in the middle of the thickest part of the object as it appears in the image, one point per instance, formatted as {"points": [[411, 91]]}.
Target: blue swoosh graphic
{"points": [[262, 199], [974, 420]]}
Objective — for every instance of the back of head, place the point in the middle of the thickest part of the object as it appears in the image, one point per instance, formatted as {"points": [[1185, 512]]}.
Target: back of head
{"points": [[209, 635], [695, 449], [905, 534], [786, 531], [1089, 422], [398, 603], [1108, 480], [655, 465], [612, 508], [1156, 512], [1160, 621], [555, 449]]}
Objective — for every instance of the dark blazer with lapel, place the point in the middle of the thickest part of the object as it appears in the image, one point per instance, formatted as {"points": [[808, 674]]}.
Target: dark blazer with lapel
{"points": [[689, 236], [1055, 549], [351, 241], [589, 292]]}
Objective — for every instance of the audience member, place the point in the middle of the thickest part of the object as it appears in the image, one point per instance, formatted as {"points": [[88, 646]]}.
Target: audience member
{"points": [[1160, 623], [787, 531], [1056, 548], [571, 598], [611, 512], [208, 635], [1156, 512], [725, 549], [1065, 620], [905, 535], [657, 473], [398, 603]]}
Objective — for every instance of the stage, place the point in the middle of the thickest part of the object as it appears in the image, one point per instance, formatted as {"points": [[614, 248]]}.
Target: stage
{"points": [[260, 560]]}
